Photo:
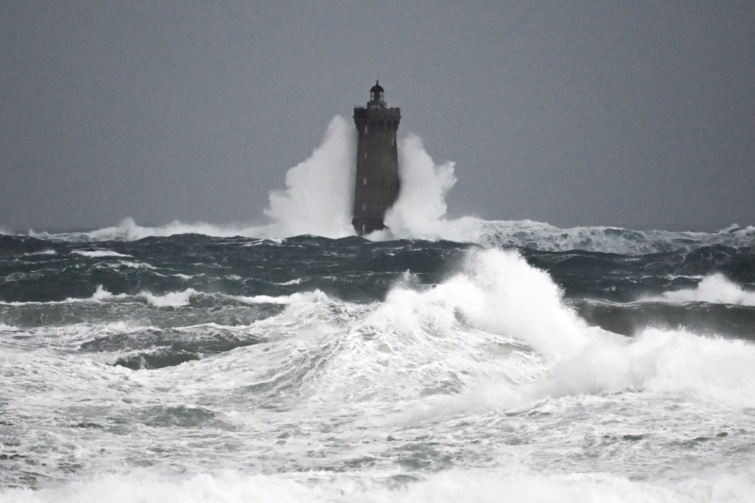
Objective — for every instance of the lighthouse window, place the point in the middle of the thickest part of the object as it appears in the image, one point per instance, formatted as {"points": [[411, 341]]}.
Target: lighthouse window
{"points": [[366, 130], [364, 181], [393, 141], [365, 155], [364, 206]]}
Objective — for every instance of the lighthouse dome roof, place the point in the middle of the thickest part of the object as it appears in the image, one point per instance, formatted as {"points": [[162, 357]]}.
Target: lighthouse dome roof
{"points": [[377, 88]]}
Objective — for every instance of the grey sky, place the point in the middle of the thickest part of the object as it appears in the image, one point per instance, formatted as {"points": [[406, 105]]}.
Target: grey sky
{"points": [[638, 114]]}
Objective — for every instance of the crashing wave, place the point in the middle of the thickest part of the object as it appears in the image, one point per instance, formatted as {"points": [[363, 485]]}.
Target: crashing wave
{"points": [[318, 197]]}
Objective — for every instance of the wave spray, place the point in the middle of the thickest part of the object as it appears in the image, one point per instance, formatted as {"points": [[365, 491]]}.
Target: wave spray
{"points": [[420, 211], [319, 194], [319, 191]]}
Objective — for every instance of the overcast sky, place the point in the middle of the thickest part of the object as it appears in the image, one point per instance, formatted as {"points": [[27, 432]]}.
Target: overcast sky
{"points": [[638, 114]]}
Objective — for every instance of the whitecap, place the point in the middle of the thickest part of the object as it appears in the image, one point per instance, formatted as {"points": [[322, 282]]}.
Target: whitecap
{"points": [[510, 483], [296, 281], [98, 253], [42, 252], [714, 289]]}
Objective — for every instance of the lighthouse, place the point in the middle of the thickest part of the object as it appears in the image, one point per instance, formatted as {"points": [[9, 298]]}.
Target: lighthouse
{"points": [[377, 182]]}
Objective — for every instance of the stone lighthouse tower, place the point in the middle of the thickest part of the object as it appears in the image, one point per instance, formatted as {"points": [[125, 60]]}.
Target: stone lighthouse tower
{"points": [[377, 181]]}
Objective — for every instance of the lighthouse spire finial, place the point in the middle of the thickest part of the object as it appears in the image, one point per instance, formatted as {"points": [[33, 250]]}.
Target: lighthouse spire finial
{"points": [[376, 93]]}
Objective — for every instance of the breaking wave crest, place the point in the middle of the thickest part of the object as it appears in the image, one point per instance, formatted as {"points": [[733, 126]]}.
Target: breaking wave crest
{"points": [[98, 253], [179, 298], [498, 294], [129, 230], [546, 237], [714, 289], [497, 335]]}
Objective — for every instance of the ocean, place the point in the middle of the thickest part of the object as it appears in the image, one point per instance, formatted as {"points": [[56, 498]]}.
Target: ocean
{"points": [[442, 360], [535, 364]]}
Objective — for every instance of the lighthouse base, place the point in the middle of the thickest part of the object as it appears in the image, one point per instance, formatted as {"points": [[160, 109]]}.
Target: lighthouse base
{"points": [[367, 225]]}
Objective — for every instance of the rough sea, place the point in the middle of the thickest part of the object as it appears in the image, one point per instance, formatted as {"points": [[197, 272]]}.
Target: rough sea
{"points": [[443, 361], [590, 364]]}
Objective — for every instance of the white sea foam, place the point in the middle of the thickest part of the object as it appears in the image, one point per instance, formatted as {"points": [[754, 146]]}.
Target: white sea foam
{"points": [[99, 253], [180, 298], [497, 292], [171, 299], [185, 276], [101, 295], [67, 337], [711, 370], [480, 485], [714, 289], [183, 298], [135, 265], [174, 299], [129, 230], [298, 297], [296, 281], [543, 236], [43, 252], [449, 372]]}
